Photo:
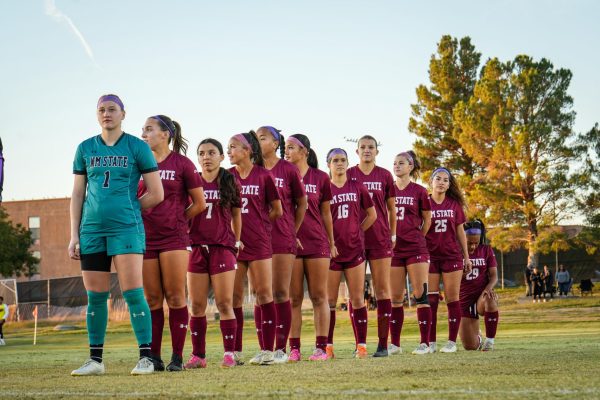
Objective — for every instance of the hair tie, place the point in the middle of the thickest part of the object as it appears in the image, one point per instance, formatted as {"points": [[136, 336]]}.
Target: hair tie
{"points": [[438, 170], [111, 97], [276, 135], [335, 152], [407, 155], [296, 141], [158, 118], [473, 231]]}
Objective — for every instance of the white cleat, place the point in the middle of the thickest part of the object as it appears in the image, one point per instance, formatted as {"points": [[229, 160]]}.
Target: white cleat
{"points": [[90, 367], [432, 347], [450, 347], [393, 349], [267, 358], [257, 359], [145, 366], [2, 342], [422, 349], [238, 357], [280, 357], [487, 345]]}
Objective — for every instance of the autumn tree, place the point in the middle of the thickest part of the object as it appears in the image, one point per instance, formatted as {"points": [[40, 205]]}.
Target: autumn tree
{"points": [[16, 257]]}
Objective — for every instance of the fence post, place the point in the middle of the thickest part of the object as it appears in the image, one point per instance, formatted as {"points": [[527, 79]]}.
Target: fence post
{"points": [[48, 305]]}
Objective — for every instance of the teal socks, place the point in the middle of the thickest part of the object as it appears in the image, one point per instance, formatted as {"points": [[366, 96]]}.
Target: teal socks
{"points": [[139, 313], [97, 317]]}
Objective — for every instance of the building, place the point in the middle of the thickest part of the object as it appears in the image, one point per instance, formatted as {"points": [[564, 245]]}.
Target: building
{"points": [[49, 223]]}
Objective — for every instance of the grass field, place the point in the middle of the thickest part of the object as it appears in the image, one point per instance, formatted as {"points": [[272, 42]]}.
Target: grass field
{"points": [[548, 350]]}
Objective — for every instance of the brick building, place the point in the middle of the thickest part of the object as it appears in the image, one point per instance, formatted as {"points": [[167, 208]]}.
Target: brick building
{"points": [[48, 220]]}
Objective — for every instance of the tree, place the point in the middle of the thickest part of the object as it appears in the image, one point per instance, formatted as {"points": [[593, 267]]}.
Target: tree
{"points": [[518, 127], [452, 74], [15, 254]]}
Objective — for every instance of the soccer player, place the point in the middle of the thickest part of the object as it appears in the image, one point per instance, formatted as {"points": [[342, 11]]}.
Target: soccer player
{"points": [[477, 296], [447, 245], [106, 227], [260, 206], [316, 247], [4, 313], [379, 238], [215, 235], [413, 218], [167, 240], [284, 229], [349, 200]]}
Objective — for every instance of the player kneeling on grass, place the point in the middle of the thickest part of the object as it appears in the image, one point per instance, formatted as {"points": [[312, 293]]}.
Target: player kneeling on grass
{"points": [[350, 199], [106, 227], [215, 235], [477, 296]]}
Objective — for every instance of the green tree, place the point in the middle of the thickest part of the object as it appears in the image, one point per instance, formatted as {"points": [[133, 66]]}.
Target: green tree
{"points": [[453, 75], [15, 254], [518, 127]]}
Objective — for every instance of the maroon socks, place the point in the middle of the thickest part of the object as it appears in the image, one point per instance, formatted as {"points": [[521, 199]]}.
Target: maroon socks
{"points": [[454, 315], [198, 332], [384, 312], [491, 324], [283, 324], [396, 323], [361, 320], [294, 343], [434, 300], [331, 325], [158, 323], [228, 328], [424, 319], [239, 330], [258, 325], [268, 315]]}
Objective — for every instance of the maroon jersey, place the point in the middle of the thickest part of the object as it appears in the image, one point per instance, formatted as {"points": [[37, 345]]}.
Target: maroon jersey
{"points": [[258, 191], [312, 234], [473, 283], [213, 225], [289, 184], [380, 185], [348, 203], [166, 223], [410, 203], [442, 242]]}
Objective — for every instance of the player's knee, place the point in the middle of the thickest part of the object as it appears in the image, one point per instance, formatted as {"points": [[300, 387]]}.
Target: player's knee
{"points": [[318, 299], [421, 296], [224, 306], [296, 301], [357, 302], [264, 297], [470, 346], [175, 300], [197, 309], [154, 300], [280, 295]]}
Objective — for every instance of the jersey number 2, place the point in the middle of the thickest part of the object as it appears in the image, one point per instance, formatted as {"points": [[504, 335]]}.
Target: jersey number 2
{"points": [[106, 179]]}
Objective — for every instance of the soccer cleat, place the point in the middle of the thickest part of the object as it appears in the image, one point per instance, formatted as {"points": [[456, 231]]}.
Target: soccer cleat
{"points": [[318, 355], [381, 352], [487, 345], [361, 351], [295, 356], [393, 349], [228, 360], [176, 363], [238, 356], [280, 357], [422, 349], [267, 358], [195, 362], [143, 367], [432, 347], [329, 351], [90, 367], [2, 342], [450, 347], [256, 359], [159, 365]]}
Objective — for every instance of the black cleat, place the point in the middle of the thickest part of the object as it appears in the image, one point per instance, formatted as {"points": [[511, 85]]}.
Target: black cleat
{"points": [[159, 365], [176, 364], [381, 352]]}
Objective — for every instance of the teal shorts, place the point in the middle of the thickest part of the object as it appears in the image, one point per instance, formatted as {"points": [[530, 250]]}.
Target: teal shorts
{"points": [[113, 245]]}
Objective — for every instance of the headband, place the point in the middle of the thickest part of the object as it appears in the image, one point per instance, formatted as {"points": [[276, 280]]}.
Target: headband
{"points": [[158, 118], [273, 131], [473, 231], [438, 170], [335, 152], [111, 97], [296, 141], [407, 155], [240, 137]]}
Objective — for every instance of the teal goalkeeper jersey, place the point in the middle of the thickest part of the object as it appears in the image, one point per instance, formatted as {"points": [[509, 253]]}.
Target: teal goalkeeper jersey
{"points": [[111, 206]]}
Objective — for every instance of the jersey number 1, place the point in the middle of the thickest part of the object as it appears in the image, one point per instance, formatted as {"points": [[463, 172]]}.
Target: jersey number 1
{"points": [[106, 179]]}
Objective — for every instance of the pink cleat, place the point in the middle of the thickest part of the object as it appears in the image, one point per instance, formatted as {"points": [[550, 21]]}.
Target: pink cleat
{"points": [[228, 360], [195, 362], [318, 355], [295, 355]]}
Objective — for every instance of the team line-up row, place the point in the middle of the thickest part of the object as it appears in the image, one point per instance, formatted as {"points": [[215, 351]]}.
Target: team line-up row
{"points": [[276, 219]]}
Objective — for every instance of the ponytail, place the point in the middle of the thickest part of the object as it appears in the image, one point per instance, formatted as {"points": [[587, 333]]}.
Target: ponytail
{"points": [[228, 189], [311, 159], [416, 171], [166, 124], [256, 156], [281, 146]]}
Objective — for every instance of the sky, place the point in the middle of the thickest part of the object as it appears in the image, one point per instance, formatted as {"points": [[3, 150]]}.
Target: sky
{"points": [[327, 69]]}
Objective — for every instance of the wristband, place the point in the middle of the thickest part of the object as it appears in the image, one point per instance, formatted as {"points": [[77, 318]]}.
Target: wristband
{"points": [[238, 244], [393, 238]]}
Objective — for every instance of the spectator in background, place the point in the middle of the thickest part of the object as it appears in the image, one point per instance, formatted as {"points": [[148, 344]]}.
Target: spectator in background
{"points": [[4, 312], [548, 282], [528, 280], [536, 285], [563, 278]]}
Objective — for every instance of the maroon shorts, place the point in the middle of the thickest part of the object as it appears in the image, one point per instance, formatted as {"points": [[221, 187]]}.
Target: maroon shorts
{"points": [[212, 260], [314, 253], [404, 261], [468, 306], [153, 253], [377, 254], [285, 249], [344, 265], [437, 267]]}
